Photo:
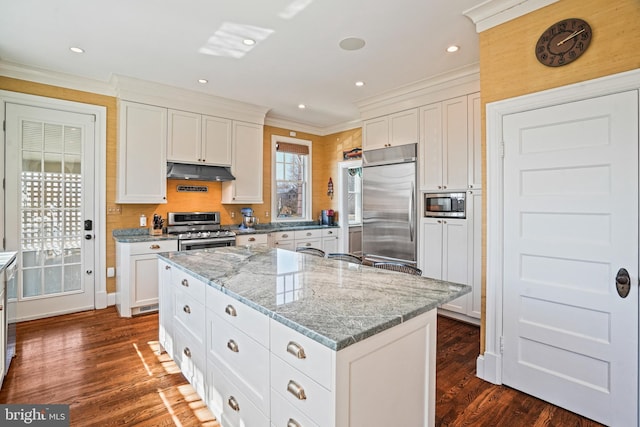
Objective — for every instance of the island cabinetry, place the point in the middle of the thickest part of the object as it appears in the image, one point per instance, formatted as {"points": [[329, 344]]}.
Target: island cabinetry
{"points": [[252, 239], [391, 130], [137, 275], [142, 154], [246, 165], [165, 309], [189, 328], [197, 138]]}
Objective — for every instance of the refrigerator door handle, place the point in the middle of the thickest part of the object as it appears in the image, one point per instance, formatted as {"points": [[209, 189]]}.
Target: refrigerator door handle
{"points": [[412, 203]]}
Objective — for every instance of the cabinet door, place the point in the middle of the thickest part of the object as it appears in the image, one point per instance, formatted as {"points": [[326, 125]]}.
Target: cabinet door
{"points": [[474, 219], [330, 244], [454, 144], [289, 245], [184, 135], [144, 277], [142, 154], [474, 120], [431, 147], [216, 141], [403, 127], [455, 265], [432, 248], [247, 165], [375, 133]]}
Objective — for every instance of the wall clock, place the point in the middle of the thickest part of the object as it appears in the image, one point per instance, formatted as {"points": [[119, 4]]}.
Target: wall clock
{"points": [[563, 42]]}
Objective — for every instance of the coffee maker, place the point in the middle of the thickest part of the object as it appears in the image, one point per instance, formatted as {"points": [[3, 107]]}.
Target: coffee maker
{"points": [[248, 220]]}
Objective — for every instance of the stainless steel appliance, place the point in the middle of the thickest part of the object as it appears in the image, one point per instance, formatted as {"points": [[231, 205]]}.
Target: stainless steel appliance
{"points": [[199, 230], [446, 205], [389, 204], [327, 217]]}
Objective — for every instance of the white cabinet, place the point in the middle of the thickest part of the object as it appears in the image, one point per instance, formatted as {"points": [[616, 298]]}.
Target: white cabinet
{"points": [[395, 129], [474, 140], [246, 165], [330, 241], [284, 240], [308, 238], [196, 138], [137, 275], [445, 254], [142, 159], [252, 239]]}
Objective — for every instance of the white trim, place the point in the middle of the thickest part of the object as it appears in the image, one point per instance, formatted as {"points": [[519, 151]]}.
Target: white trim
{"points": [[490, 364], [342, 203], [492, 13], [308, 206], [100, 129]]}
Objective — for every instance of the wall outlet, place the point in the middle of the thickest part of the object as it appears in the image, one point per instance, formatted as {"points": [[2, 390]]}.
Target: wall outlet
{"points": [[266, 214], [111, 272], [114, 210], [233, 214]]}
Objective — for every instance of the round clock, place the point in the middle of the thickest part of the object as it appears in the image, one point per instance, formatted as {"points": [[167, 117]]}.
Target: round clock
{"points": [[563, 42]]}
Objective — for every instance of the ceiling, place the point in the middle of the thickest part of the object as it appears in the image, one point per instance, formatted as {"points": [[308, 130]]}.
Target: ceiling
{"points": [[296, 59]]}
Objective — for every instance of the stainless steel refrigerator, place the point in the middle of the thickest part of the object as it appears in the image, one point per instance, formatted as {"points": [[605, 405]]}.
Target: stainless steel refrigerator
{"points": [[389, 204]]}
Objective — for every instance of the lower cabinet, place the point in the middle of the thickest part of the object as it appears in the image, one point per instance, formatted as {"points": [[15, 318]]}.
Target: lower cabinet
{"points": [[326, 239], [137, 275], [252, 239], [254, 371]]}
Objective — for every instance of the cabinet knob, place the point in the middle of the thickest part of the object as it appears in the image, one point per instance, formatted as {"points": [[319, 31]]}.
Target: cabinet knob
{"points": [[233, 403], [293, 423], [297, 390], [296, 349], [252, 239], [284, 236], [167, 267], [187, 352], [154, 247], [185, 283], [186, 309], [230, 310], [233, 346]]}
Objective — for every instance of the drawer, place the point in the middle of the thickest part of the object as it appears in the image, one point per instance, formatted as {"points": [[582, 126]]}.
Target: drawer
{"points": [[329, 232], [189, 314], [304, 354], [155, 246], [190, 356], [283, 235], [243, 317], [301, 392], [229, 404], [316, 233], [285, 415], [309, 243], [252, 239], [245, 360], [188, 284]]}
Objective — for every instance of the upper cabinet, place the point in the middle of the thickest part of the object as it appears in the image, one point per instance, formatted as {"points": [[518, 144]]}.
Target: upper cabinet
{"points": [[142, 156], [246, 166], [395, 129], [449, 149], [196, 138]]}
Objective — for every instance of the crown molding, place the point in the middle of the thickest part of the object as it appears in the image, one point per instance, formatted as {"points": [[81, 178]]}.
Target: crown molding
{"points": [[448, 85], [492, 13], [53, 78], [284, 123], [146, 92]]}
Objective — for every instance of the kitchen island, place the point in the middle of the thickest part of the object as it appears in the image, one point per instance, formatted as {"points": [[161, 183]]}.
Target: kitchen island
{"points": [[274, 337]]}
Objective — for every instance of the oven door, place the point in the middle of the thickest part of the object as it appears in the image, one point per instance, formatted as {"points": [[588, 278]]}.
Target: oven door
{"points": [[193, 244]]}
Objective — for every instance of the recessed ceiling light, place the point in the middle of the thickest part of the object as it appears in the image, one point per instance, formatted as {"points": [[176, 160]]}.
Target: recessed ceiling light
{"points": [[302, 106], [453, 48], [359, 83], [76, 49], [351, 43], [203, 81], [248, 42]]}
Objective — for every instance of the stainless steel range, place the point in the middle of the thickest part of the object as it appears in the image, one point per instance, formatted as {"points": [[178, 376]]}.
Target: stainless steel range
{"points": [[199, 230]]}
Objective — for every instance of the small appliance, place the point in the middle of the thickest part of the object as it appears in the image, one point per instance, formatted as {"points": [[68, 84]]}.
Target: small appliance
{"points": [[447, 205], [248, 220], [327, 217]]}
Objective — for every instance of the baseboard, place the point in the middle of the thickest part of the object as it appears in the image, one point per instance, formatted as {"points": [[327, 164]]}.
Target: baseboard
{"points": [[487, 368], [111, 299]]}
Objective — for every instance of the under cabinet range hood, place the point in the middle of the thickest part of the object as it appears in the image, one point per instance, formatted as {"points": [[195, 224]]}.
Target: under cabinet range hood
{"points": [[198, 172]]}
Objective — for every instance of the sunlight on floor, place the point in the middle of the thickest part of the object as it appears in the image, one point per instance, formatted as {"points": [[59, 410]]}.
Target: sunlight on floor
{"points": [[166, 362], [146, 367]]}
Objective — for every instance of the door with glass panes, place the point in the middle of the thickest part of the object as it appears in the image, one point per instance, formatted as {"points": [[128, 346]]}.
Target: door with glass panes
{"points": [[49, 204]]}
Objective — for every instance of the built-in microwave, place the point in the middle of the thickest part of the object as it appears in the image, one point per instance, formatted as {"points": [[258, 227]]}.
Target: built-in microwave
{"points": [[448, 205]]}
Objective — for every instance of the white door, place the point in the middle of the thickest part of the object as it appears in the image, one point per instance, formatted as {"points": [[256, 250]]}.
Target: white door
{"points": [[49, 203], [570, 223]]}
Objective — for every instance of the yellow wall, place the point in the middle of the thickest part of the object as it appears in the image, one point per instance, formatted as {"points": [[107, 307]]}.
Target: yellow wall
{"points": [[326, 153], [509, 68]]}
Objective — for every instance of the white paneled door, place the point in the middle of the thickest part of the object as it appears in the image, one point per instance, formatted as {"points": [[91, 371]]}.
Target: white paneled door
{"points": [[49, 208], [570, 226]]}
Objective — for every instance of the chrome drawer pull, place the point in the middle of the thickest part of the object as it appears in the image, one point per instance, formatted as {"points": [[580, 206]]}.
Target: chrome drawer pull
{"points": [[309, 233], [293, 423], [187, 352], [284, 236], [233, 346], [167, 267], [296, 349], [185, 283], [154, 247], [230, 310], [252, 239], [233, 403], [297, 390], [186, 309]]}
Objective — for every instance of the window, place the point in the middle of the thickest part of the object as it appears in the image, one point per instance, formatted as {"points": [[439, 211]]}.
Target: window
{"points": [[354, 191], [291, 189]]}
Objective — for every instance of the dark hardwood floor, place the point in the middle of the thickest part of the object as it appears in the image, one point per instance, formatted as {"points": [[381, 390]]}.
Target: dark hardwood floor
{"points": [[110, 373]]}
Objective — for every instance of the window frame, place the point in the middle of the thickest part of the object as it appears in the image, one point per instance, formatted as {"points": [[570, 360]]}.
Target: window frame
{"points": [[308, 179]]}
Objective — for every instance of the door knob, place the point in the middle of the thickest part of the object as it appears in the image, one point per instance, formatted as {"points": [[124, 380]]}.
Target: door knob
{"points": [[623, 282]]}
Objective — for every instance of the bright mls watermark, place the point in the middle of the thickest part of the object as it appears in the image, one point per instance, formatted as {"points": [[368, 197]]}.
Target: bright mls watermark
{"points": [[34, 415]]}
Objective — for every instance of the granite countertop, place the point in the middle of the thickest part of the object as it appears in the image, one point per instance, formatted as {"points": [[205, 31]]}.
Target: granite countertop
{"points": [[5, 259], [275, 227], [336, 303], [134, 235]]}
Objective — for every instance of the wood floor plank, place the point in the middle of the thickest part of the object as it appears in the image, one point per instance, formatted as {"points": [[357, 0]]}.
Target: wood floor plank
{"points": [[109, 371]]}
